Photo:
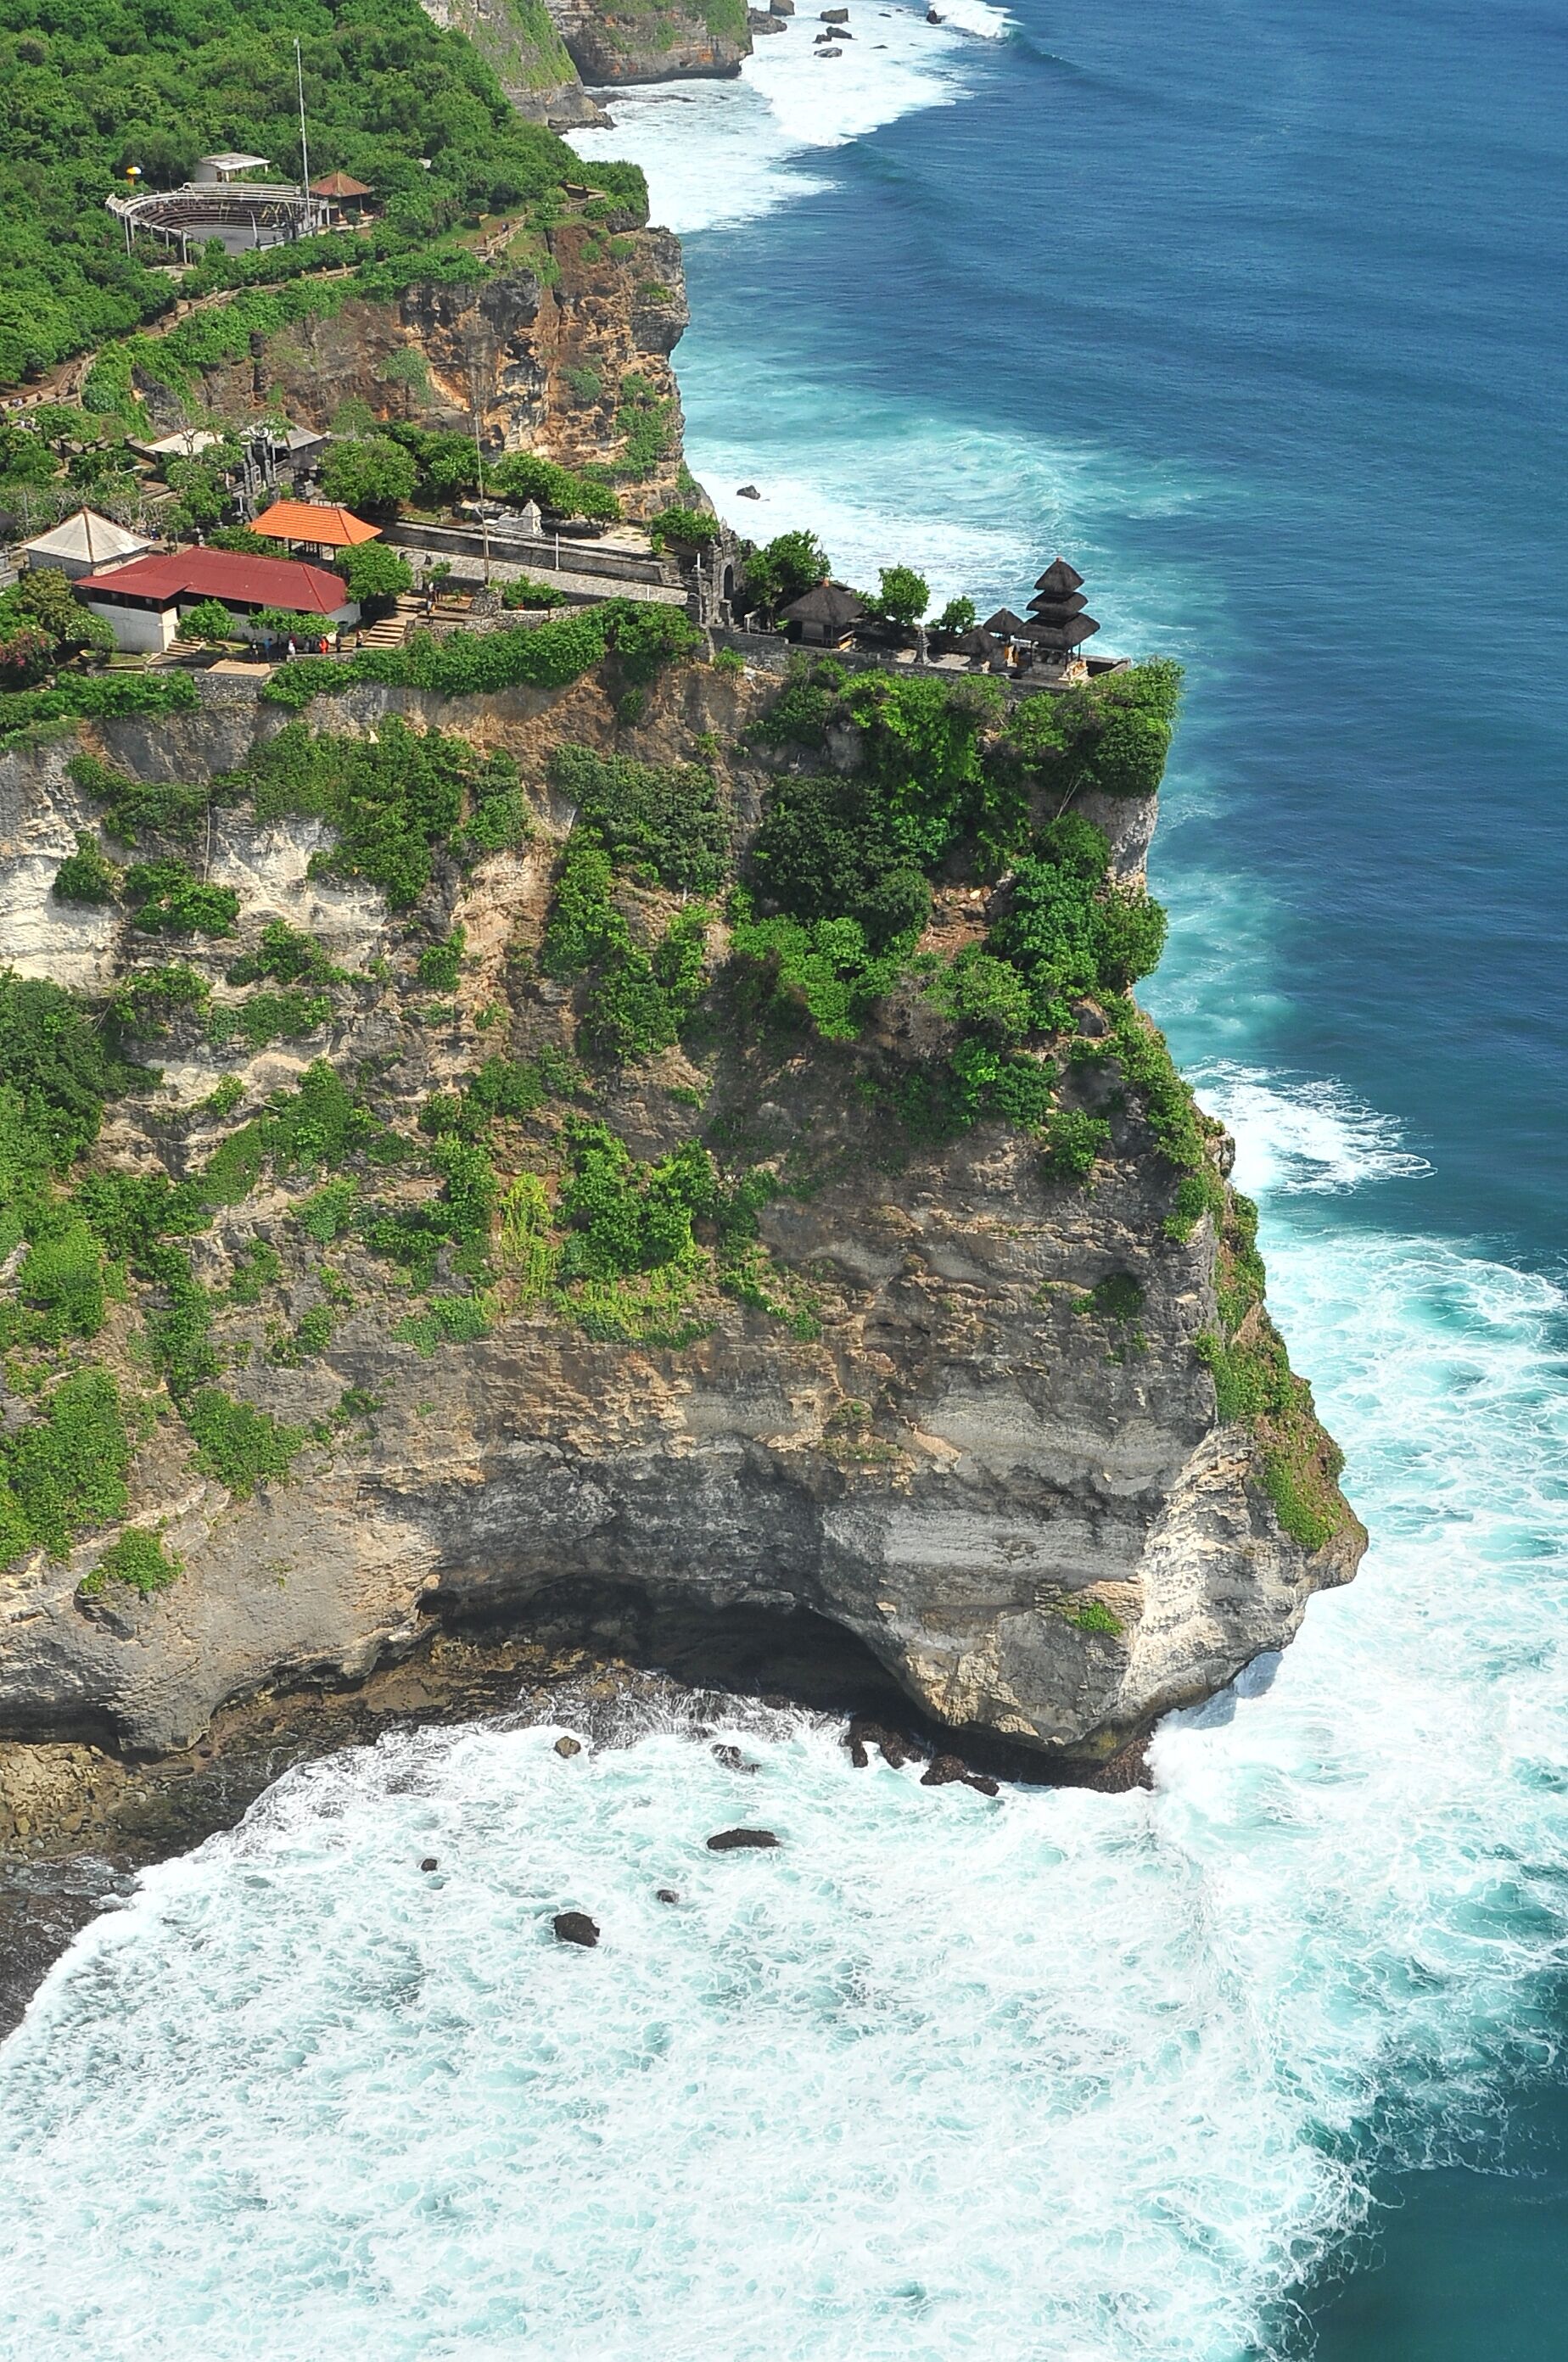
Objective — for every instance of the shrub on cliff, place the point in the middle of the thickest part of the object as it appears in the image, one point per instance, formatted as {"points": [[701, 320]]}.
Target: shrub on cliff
{"points": [[659, 820], [167, 897], [1109, 738], [65, 1470], [134, 808], [392, 799], [924, 749], [97, 697], [85, 876], [624, 1216], [829, 848], [483, 664], [1067, 930], [138, 1561], [54, 1058]]}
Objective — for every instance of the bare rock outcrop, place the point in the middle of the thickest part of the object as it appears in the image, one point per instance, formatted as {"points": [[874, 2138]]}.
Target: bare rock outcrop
{"points": [[565, 352]]}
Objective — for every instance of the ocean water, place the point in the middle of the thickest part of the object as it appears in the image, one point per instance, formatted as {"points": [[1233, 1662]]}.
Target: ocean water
{"points": [[1257, 314]]}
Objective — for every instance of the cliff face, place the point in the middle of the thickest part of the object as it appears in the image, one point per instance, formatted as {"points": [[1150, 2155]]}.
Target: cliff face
{"points": [[519, 38], [993, 1456], [567, 355], [653, 40], [542, 55]]}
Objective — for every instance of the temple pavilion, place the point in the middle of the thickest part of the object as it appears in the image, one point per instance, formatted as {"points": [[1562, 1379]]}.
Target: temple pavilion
{"points": [[1057, 626]]}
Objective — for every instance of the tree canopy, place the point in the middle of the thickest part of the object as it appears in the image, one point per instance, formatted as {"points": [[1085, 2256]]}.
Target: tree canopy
{"points": [[92, 86]]}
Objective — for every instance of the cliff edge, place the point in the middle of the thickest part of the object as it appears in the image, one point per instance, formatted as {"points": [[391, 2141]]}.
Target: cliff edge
{"points": [[588, 1132]]}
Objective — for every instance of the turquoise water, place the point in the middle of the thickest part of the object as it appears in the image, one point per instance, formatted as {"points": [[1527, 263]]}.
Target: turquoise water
{"points": [[1257, 315]]}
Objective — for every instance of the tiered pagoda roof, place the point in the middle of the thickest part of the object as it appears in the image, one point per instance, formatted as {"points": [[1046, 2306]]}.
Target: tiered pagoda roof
{"points": [[1058, 619]]}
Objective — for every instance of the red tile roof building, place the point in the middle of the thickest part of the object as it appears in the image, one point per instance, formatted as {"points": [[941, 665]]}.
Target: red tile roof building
{"points": [[142, 600]]}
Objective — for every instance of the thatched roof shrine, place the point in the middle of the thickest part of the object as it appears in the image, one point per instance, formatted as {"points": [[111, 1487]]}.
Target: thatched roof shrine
{"points": [[1057, 608], [826, 612]]}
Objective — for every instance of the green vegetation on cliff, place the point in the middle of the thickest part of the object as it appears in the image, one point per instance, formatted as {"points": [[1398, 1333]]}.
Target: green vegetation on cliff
{"points": [[550, 1176], [91, 89]]}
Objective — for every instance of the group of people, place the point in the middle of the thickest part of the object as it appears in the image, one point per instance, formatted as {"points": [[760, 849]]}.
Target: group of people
{"points": [[275, 647]]}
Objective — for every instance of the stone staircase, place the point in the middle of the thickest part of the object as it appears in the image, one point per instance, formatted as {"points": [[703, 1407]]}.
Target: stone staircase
{"points": [[392, 629]]}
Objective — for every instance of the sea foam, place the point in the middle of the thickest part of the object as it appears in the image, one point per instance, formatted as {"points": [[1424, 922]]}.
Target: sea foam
{"points": [[1089, 2077], [717, 154]]}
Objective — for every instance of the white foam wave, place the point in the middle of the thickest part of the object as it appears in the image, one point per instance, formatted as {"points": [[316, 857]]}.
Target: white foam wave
{"points": [[1295, 1135], [1005, 498], [724, 153], [1098, 2078]]}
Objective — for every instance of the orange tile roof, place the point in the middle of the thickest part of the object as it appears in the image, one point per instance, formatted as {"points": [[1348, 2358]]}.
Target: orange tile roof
{"points": [[310, 521]]}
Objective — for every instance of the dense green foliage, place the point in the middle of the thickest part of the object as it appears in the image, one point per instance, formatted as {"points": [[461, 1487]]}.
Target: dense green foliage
{"points": [[788, 566], [89, 89], [639, 999], [66, 1469], [483, 663], [137, 808], [96, 697], [903, 597], [208, 623], [318, 1126], [287, 957], [169, 898], [1067, 931], [830, 849], [1111, 737], [85, 876], [438, 963], [367, 472], [662, 822], [524, 475], [687, 528], [54, 1060], [42, 622], [135, 1559], [950, 783], [377, 576], [242, 1446]]}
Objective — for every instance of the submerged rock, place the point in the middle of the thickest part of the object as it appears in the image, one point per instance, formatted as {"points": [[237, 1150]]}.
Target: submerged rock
{"points": [[948, 1771], [567, 1747], [429, 1862], [733, 1761], [575, 1927], [741, 1841]]}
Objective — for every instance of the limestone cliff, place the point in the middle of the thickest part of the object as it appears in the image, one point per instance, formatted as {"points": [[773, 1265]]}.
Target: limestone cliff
{"points": [[519, 38], [564, 350], [542, 55], [970, 1414], [616, 41]]}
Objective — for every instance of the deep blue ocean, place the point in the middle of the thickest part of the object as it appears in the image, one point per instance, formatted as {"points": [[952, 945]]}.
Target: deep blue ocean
{"points": [[1259, 315]]}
